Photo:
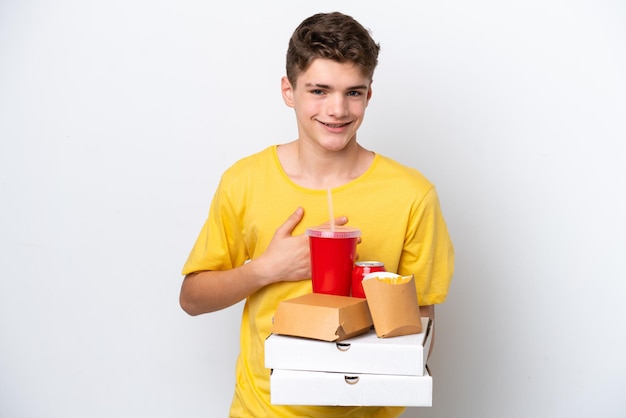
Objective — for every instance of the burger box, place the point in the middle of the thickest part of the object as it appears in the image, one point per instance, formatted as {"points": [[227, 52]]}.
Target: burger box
{"points": [[365, 353], [322, 317], [297, 387]]}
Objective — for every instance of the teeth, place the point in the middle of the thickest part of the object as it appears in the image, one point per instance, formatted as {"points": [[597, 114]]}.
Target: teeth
{"points": [[334, 125]]}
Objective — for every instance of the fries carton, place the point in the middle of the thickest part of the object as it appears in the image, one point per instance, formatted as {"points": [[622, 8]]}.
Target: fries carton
{"points": [[393, 304]]}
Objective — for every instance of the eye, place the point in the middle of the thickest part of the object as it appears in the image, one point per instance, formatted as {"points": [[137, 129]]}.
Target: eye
{"points": [[354, 93], [317, 92]]}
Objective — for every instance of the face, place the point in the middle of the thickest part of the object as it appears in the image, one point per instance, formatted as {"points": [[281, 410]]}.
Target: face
{"points": [[329, 100]]}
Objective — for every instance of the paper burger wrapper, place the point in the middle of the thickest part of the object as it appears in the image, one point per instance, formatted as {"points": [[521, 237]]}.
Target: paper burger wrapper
{"points": [[393, 304]]}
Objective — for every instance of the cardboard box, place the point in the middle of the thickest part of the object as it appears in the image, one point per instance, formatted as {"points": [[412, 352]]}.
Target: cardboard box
{"points": [[394, 307], [366, 353], [322, 317], [296, 387]]}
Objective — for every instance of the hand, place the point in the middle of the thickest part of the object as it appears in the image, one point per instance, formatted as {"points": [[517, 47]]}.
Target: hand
{"points": [[287, 256]]}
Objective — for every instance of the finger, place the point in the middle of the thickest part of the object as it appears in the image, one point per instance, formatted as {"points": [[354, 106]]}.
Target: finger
{"points": [[340, 220], [292, 221]]}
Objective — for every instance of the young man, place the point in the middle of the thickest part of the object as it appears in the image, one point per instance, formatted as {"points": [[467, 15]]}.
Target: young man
{"points": [[252, 245]]}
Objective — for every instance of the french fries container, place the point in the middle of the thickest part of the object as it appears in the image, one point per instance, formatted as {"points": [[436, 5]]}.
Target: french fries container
{"points": [[393, 304]]}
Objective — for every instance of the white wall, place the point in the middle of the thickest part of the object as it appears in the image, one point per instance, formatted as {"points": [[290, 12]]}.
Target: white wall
{"points": [[117, 118]]}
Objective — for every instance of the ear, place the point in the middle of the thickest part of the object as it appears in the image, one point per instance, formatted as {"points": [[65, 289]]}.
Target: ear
{"points": [[287, 91], [369, 92]]}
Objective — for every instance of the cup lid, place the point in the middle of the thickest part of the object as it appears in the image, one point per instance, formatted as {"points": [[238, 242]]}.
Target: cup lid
{"points": [[324, 231]]}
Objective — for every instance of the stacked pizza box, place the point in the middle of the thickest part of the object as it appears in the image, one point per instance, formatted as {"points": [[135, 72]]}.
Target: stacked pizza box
{"points": [[350, 365]]}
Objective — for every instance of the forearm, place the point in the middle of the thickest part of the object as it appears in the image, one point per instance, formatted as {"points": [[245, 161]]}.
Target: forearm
{"points": [[429, 311], [210, 291]]}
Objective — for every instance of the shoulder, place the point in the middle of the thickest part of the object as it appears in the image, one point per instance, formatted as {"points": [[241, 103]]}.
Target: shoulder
{"points": [[401, 174], [247, 166], [253, 161]]}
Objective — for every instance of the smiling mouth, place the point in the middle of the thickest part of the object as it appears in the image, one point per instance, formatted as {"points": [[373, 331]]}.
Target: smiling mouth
{"points": [[335, 125]]}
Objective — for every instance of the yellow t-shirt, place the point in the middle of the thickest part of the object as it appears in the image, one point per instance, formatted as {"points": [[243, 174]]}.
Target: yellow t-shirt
{"points": [[398, 212]]}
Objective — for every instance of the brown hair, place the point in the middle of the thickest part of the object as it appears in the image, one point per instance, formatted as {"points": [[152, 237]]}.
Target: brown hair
{"points": [[333, 36]]}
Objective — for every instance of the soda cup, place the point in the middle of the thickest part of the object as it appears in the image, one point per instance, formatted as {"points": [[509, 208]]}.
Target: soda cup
{"points": [[333, 252], [361, 268]]}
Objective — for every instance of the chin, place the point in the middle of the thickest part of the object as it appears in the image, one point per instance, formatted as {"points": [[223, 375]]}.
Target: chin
{"points": [[336, 144], [335, 147]]}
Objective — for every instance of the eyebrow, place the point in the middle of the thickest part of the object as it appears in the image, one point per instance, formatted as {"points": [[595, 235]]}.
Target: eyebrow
{"points": [[329, 87]]}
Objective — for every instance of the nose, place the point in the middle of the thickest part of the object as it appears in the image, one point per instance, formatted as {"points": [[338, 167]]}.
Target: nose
{"points": [[337, 106]]}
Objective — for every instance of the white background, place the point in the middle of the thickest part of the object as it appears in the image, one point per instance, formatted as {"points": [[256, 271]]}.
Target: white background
{"points": [[117, 119]]}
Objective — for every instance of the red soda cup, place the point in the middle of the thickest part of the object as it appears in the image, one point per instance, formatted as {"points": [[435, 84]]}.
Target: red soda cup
{"points": [[333, 252]]}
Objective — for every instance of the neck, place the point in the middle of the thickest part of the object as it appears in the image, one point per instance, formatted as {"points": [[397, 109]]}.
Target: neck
{"points": [[319, 169]]}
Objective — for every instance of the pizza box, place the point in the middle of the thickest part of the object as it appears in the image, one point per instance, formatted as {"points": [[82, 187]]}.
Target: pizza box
{"points": [[299, 387], [365, 353]]}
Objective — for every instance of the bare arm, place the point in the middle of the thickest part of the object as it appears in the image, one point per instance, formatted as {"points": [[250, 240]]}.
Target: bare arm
{"points": [[286, 259], [210, 291], [429, 311]]}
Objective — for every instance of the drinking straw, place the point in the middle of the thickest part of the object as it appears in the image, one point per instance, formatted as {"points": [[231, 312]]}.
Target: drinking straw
{"points": [[330, 210]]}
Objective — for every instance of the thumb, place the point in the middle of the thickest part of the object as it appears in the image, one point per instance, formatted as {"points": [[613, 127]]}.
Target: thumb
{"points": [[292, 221]]}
